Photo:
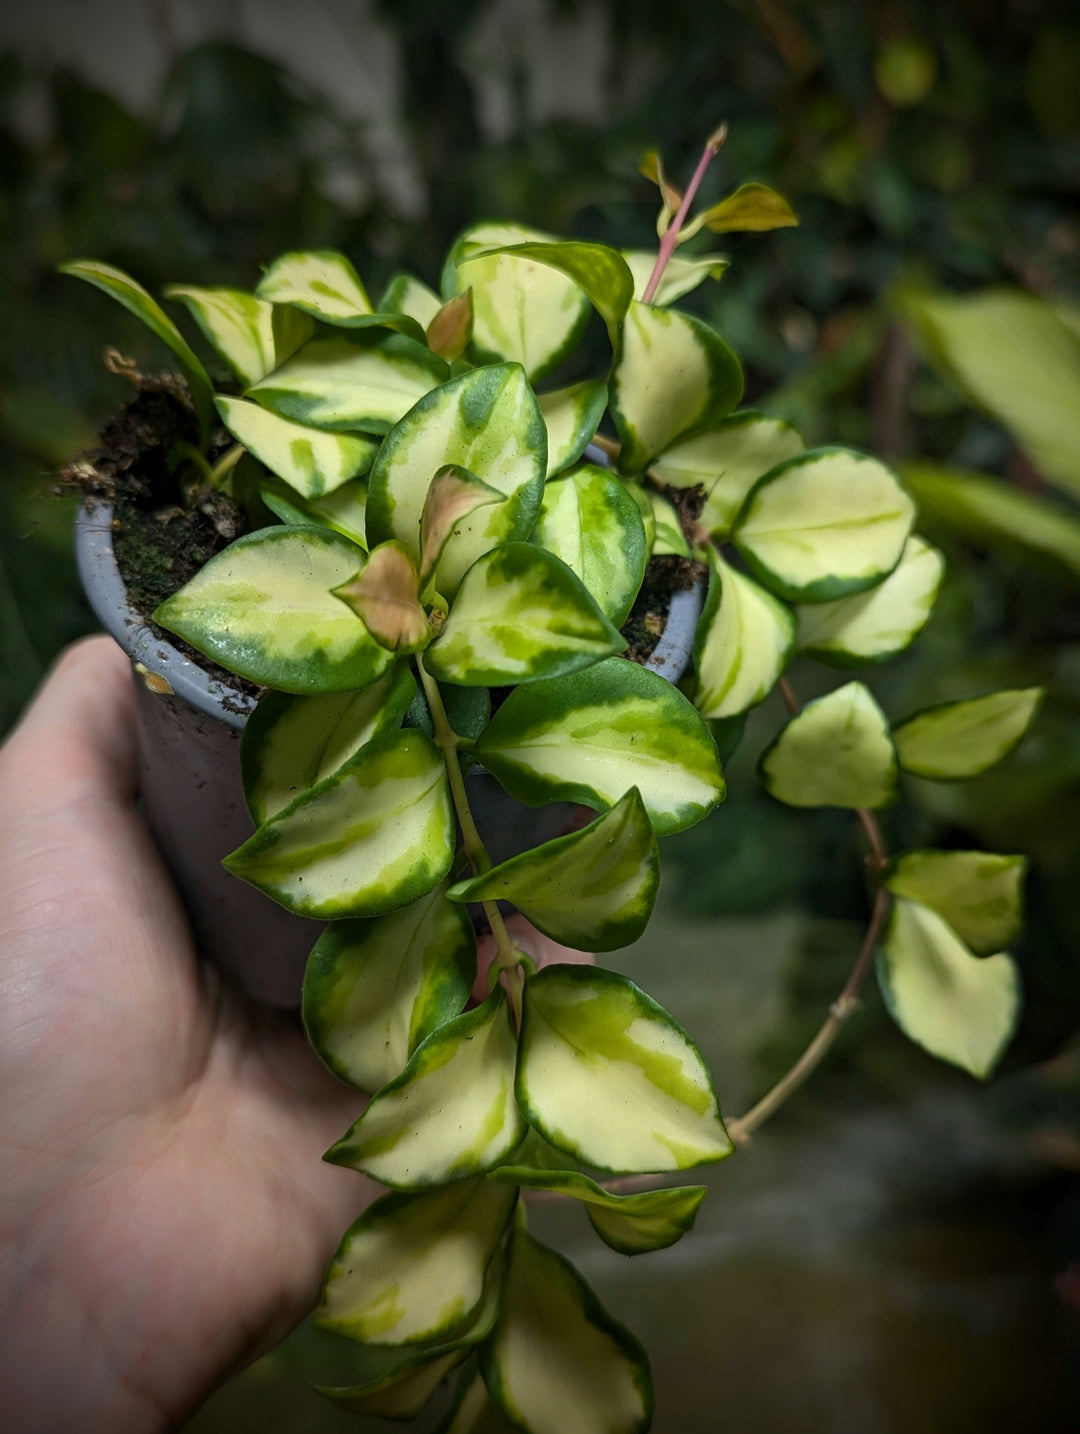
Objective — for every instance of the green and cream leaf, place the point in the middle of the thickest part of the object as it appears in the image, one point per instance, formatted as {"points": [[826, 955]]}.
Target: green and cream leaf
{"points": [[319, 282], [311, 461], [962, 739], [405, 294], [979, 893], [599, 271], [342, 511], [681, 275], [835, 752], [669, 539], [238, 326], [743, 642], [571, 416], [590, 521]]}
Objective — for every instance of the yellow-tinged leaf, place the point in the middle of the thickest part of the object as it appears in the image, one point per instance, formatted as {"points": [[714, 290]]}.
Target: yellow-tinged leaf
{"points": [[313, 462], [385, 595], [979, 893], [962, 739], [743, 642], [450, 330], [750, 208], [835, 752], [321, 282]]}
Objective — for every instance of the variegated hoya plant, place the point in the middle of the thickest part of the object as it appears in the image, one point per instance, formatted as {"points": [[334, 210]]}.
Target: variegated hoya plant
{"points": [[441, 537]]}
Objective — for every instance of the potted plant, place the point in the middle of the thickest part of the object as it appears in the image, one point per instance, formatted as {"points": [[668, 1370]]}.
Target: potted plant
{"points": [[431, 578]]}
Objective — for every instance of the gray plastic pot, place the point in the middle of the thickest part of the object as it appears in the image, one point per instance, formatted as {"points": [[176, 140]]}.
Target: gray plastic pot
{"points": [[189, 727]]}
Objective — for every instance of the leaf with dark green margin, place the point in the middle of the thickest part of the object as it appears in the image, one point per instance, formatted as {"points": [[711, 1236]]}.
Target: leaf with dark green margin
{"points": [[959, 1007], [962, 739], [835, 752], [450, 1113], [126, 291], [319, 282], [311, 461], [525, 311], [571, 416], [593, 889], [520, 615], [413, 1267], [873, 626], [264, 609], [669, 539], [290, 744], [474, 1413], [486, 422], [375, 835], [592, 736], [681, 275], [362, 380], [672, 374], [238, 326], [727, 459], [979, 893], [374, 990], [609, 1076], [599, 271], [342, 511], [405, 294], [743, 642], [557, 1362], [823, 525], [631, 1224], [590, 521]]}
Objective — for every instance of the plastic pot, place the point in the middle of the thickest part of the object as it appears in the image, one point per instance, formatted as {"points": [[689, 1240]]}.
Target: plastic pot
{"points": [[188, 729]]}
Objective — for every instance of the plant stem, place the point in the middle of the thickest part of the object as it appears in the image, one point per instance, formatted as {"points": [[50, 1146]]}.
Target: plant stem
{"points": [[671, 235], [506, 958], [226, 463]]}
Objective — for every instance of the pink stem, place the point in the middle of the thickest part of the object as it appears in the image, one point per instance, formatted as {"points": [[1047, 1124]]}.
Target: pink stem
{"points": [[671, 236]]}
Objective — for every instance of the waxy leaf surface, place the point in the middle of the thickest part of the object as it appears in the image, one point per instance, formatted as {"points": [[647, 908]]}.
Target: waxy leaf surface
{"points": [[320, 282], [342, 511], [474, 1413], [450, 1113], [743, 642], [264, 609], [375, 835], [962, 739], [979, 893], [752, 208], [599, 271], [592, 736], [836, 752], [311, 461], [609, 1076], [571, 416], [681, 275], [241, 328], [669, 540], [590, 521], [406, 294]]}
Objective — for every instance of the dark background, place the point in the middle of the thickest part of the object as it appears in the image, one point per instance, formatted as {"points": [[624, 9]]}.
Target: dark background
{"points": [[900, 1251]]}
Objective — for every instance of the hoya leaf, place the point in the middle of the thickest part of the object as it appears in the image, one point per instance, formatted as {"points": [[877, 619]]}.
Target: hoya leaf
{"points": [[672, 373], [309, 460], [681, 275], [652, 167], [374, 990], [376, 834], [264, 609], [978, 893], [962, 739], [137, 301], [610, 1077], [453, 496], [450, 1113], [557, 1362], [408, 295], [743, 642], [632, 1224], [752, 208], [524, 311], [593, 889], [571, 416], [959, 1007], [450, 330], [876, 625], [599, 271], [385, 595], [412, 1267], [474, 1413], [360, 380], [342, 511], [520, 615], [727, 459], [643, 501], [319, 282], [835, 752], [291, 328], [825, 524], [487, 422], [669, 539], [592, 736], [290, 744], [590, 521], [238, 326]]}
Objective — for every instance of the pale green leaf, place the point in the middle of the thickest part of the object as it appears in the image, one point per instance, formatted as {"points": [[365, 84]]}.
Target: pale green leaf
{"points": [[311, 461], [592, 736], [374, 990], [823, 525], [412, 1268], [681, 275], [743, 642], [669, 539], [342, 511], [557, 1362], [376, 834], [672, 374], [474, 1413], [599, 271], [319, 282], [292, 743], [590, 521], [238, 326], [876, 625], [450, 1113], [406, 294], [264, 609], [520, 615], [961, 739], [647, 513], [593, 889], [727, 459], [979, 893], [959, 1007], [487, 422], [752, 208], [571, 416], [835, 752]]}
